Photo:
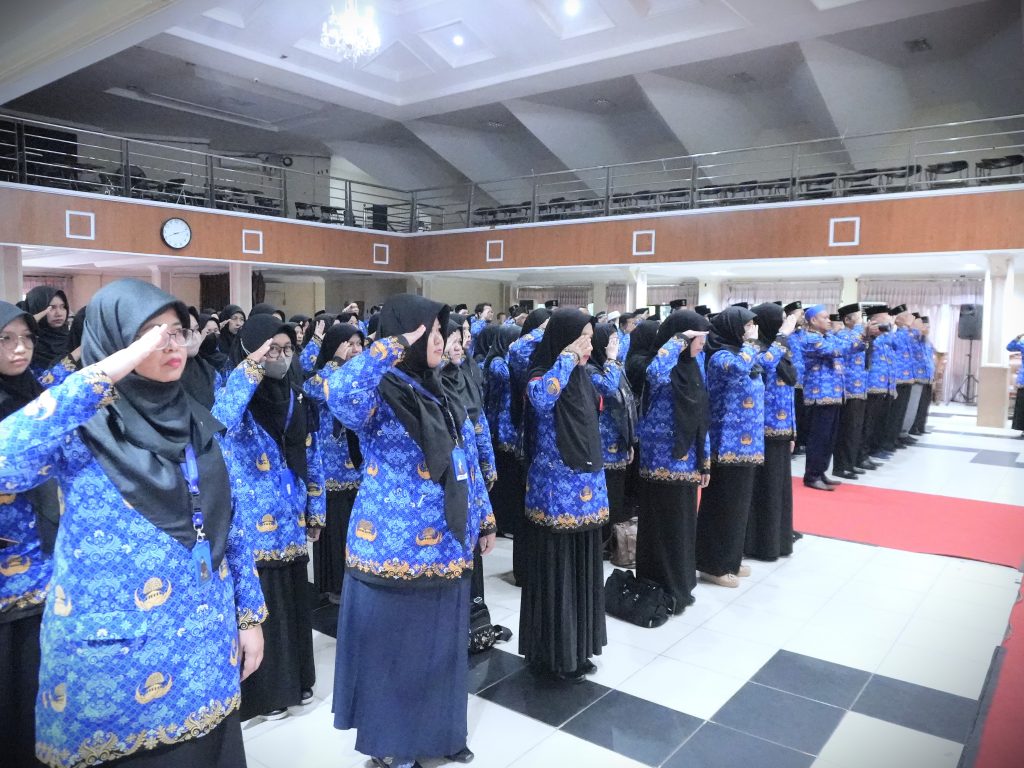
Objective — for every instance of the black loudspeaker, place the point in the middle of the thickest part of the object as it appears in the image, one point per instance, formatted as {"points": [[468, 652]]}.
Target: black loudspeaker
{"points": [[379, 216], [969, 326]]}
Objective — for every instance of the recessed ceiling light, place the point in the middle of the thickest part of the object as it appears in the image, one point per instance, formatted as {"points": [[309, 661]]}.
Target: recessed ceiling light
{"points": [[920, 45], [572, 7], [458, 40], [495, 124], [602, 102]]}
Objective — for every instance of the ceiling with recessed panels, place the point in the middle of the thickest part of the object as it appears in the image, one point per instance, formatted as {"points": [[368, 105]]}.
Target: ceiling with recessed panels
{"points": [[477, 90]]}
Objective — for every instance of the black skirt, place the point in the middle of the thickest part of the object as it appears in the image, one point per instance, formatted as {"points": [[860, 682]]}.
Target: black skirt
{"points": [[770, 522], [562, 623], [220, 748], [329, 549], [508, 494], [287, 668], [616, 482], [722, 520], [1018, 410], [666, 538], [19, 683], [400, 674]]}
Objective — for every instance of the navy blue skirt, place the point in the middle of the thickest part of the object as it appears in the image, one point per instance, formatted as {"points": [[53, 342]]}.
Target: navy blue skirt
{"points": [[400, 675]]}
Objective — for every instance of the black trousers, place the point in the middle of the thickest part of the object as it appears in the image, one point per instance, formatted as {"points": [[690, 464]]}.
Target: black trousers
{"points": [[800, 413], [851, 434], [1018, 410], [876, 420], [19, 683], [822, 428], [896, 415], [921, 420]]}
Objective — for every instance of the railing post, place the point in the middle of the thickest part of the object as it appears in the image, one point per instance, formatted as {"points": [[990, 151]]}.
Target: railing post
{"points": [[910, 159], [126, 169], [469, 205], [350, 215], [607, 190], [413, 214], [20, 152], [533, 203], [211, 196], [693, 182], [793, 169], [284, 192]]}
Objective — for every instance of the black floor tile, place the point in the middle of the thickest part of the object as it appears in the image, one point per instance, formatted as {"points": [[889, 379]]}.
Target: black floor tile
{"points": [[947, 447], [541, 698], [998, 458], [784, 718], [813, 678], [715, 746], [489, 667], [923, 709], [636, 728]]}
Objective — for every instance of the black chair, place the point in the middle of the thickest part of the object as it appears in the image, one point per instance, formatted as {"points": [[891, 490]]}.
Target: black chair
{"points": [[306, 212], [674, 199], [984, 168], [709, 195], [330, 214], [817, 186], [172, 191], [861, 182], [952, 171], [899, 178], [552, 210]]}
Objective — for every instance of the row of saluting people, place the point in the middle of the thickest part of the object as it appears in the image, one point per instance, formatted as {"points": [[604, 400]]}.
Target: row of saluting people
{"points": [[162, 480]]}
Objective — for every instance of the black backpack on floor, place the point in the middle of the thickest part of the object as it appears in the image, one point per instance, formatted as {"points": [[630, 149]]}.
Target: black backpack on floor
{"points": [[638, 601], [482, 634]]}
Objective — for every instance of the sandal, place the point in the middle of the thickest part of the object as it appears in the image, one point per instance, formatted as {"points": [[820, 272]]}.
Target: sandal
{"points": [[726, 580]]}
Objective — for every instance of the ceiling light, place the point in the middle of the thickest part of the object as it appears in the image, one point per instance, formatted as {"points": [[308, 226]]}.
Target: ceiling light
{"points": [[743, 77], [920, 45], [458, 40], [572, 7], [352, 33], [495, 124], [602, 102]]}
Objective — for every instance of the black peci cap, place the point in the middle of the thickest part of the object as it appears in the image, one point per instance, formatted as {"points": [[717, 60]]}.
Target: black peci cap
{"points": [[876, 309], [677, 304], [793, 306], [702, 309], [835, 318], [848, 309], [925, 320], [898, 310]]}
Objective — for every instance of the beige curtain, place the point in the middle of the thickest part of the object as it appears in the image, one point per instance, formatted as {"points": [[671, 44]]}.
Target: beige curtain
{"points": [[810, 292]]}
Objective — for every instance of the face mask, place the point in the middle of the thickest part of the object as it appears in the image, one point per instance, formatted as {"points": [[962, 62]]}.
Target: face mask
{"points": [[750, 334], [192, 348], [277, 369]]}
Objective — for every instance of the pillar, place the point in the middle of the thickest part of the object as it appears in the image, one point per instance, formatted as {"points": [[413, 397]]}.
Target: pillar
{"points": [[240, 290], [12, 281], [994, 386], [161, 278], [709, 294], [636, 289], [848, 294], [600, 294]]}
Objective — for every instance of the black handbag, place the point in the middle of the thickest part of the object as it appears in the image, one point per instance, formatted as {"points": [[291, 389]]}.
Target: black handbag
{"points": [[482, 634], [638, 601]]}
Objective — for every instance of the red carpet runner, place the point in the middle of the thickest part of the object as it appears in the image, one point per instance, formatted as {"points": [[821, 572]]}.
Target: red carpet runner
{"points": [[940, 525]]}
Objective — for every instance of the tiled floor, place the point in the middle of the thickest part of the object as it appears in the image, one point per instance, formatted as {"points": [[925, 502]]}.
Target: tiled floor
{"points": [[842, 656]]}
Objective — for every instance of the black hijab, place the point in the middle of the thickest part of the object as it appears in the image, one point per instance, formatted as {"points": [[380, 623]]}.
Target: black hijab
{"points": [[75, 331], [484, 341], [458, 382], [227, 338], [641, 350], [210, 351], [622, 405], [267, 309], [336, 336], [139, 440], [373, 324], [51, 343], [727, 329], [430, 421], [690, 408], [273, 398], [15, 393], [503, 338], [578, 434], [535, 319], [769, 321]]}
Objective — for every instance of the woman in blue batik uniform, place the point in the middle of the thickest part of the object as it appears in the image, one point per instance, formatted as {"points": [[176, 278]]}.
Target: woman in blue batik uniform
{"points": [[339, 449], [562, 620], [736, 392], [273, 458], [674, 457], [402, 664], [507, 492], [154, 604], [49, 306], [770, 522], [617, 420]]}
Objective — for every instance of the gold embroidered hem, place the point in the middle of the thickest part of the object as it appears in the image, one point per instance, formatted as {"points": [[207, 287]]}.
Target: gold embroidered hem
{"points": [[779, 433], [249, 618], [735, 458], [406, 571], [105, 747], [567, 522], [334, 485], [616, 465], [21, 602], [290, 552], [858, 396], [878, 392], [823, 401], [663, 475], [506, 447]]}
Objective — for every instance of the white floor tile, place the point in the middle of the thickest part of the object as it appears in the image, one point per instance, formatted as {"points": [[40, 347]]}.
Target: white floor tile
{"points": [[500, 736], [859, 618], [745, 622], [722, 653], [684, 687], [310, 741], [619, 661], [961, 674], [654, 640], [562, 749], [769, 596], [864, 742], [851, 649]]}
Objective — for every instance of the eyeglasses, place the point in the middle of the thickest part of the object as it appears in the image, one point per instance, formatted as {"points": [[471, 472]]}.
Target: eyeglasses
{"points": [[10, 341], [180, 336], [274, 351]]}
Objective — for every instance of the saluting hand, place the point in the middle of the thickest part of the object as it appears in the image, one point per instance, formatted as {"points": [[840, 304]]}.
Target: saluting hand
{"points": [[788, 325], [124, 361], [581, 348], [259, 354], [413, 336], [318, 331]]}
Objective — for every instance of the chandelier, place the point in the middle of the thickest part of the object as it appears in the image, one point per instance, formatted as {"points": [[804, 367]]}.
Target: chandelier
{"points": [[352, 33]]}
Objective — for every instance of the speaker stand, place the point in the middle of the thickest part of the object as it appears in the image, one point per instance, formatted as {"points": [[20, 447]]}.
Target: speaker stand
{"points": [[967, 392]]}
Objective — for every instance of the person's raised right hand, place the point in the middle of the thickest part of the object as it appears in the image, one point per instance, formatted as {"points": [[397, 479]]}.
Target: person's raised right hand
{"points": [[413, 336], [788, 325], [124, 361], [318, 330], [259, 354], [581, 347]]}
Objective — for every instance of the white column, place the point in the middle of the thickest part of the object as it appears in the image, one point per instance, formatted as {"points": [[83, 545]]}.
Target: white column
{"points": [[849, 291], [240, 292], [710, 294], [636, 289], [600, 292], [161, 278], [998, 299], [12, 286]]}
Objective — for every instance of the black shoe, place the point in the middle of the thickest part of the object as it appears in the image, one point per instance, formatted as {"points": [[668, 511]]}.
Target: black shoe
{"points": [[868, 464], [797, 535], [390, 762], [464, 755], [819, 485], [915, 432], [908, 439], [859, 471], [799, 450], [830, 480], [588, 667], [846, 473], [576, 676]]}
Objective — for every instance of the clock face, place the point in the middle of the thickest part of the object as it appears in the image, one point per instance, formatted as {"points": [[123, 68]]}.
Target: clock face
{"points": [[176, 233]]}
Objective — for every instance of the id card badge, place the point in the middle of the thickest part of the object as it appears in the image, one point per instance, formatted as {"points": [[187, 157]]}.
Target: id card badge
{"points": [[459, 464], [202, 560]]}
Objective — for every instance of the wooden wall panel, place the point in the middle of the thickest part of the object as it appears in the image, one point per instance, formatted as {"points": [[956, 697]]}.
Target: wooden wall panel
{"points": [[37, 217], [968, 221]]}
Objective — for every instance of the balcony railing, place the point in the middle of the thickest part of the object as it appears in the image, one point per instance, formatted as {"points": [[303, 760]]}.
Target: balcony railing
{"points": [[961, 154]]}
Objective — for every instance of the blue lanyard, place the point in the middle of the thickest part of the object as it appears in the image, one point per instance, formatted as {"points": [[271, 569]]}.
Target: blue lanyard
{"points": [[190, 469]]}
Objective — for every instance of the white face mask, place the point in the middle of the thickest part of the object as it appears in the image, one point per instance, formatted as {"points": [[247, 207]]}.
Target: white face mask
{"points": [[750, 334], [192, 348], [278, 368]]}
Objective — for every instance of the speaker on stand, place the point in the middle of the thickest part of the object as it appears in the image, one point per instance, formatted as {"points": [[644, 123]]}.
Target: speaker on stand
{"points": [[969, 328]]}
